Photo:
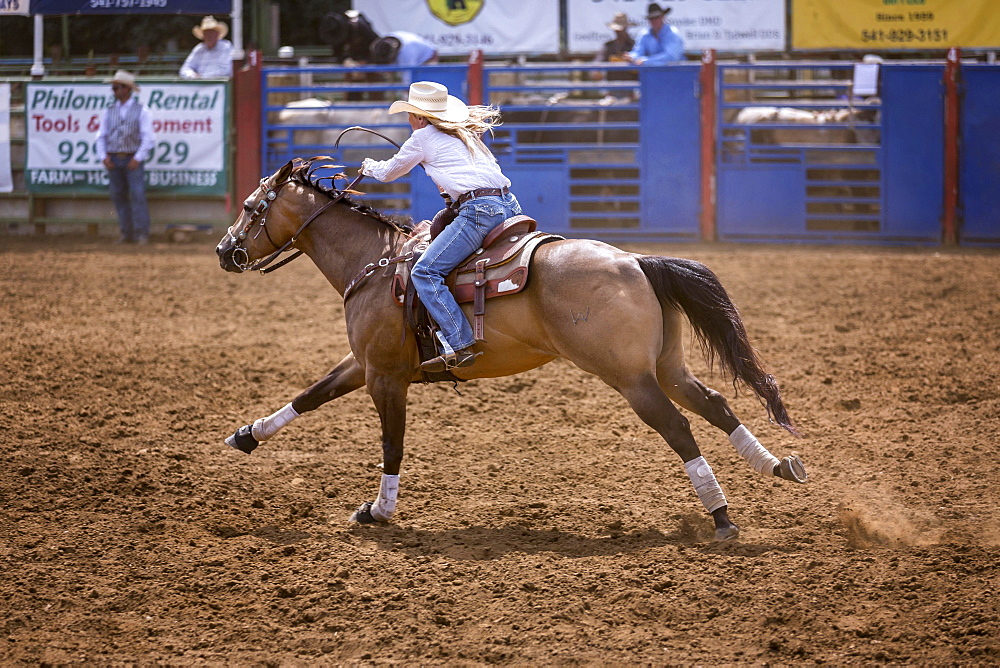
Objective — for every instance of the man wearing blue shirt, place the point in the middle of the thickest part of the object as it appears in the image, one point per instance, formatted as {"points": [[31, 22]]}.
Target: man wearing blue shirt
{"points": [[403, 48], [661, 43]]}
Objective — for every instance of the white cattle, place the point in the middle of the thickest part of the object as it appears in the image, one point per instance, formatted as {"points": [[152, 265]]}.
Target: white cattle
{"points": [[323, 121]]}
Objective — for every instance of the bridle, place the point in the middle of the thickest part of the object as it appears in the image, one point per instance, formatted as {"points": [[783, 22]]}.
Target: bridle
{"points": [[259, 214]]}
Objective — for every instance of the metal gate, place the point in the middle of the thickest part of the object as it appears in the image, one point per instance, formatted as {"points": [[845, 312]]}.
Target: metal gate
{"points": [[607, 152], [979, 156], [801, 158]]}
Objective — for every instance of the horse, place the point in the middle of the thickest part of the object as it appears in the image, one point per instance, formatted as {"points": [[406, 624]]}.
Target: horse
{"points": [[615, 314]]}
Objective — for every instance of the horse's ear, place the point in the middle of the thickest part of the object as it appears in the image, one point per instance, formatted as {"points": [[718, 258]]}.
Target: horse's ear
{"points": [[283, 173]]}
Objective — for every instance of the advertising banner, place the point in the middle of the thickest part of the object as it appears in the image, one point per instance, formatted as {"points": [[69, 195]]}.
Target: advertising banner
{"points": [[6, 179], [189, 121], [14, 8], [882, 25], [455, 28], [723, 25], [129, 6]]}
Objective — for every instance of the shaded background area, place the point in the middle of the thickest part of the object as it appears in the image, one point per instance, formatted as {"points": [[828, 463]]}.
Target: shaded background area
{"points": [[539, 520]]}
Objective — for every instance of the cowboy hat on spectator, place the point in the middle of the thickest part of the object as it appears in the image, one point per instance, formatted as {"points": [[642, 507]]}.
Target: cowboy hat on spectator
{"points": [[621, 21], [210, 23], [125, 78], [654, 11]]}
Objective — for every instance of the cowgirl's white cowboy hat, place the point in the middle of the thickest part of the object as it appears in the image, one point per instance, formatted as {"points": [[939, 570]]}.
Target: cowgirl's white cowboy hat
{"points": [[427, 98], [210, 23], [124, 77]]}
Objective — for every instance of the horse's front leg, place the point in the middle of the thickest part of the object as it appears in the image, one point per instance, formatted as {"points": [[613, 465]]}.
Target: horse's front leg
{"points": [[388, 392], [346, 377]]}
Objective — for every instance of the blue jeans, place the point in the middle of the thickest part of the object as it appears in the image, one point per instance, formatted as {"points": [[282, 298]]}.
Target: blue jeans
{"points": [[455, 243], [128, 192]]}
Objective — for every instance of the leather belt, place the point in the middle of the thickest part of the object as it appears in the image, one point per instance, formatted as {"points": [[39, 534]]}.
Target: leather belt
{"points": [[119, 154], [481, 192]]}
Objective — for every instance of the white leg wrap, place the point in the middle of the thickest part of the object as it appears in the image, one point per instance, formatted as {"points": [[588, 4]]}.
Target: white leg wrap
{"points": [[265, 428], [705, 484], [385, 505], [750, 449]]}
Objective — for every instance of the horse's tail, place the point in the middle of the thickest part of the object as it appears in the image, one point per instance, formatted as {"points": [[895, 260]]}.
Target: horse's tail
{"points": [[695, 290]]}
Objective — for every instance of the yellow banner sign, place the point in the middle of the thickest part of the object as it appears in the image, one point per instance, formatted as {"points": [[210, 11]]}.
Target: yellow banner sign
{"points": [[885, 25]]}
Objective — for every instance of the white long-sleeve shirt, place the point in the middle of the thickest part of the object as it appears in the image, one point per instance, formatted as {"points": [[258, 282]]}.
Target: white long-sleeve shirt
{"points": [[204, 63], [447, 160]]}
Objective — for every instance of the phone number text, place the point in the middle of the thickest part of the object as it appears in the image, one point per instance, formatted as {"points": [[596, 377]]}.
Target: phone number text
{"points": [[906, 35]]}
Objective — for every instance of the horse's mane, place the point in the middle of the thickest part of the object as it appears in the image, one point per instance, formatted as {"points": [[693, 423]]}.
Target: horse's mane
{"points": [[304, 171]]}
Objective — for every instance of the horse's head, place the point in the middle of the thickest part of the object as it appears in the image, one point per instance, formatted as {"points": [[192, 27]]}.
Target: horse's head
{"points": [[261, 229]]}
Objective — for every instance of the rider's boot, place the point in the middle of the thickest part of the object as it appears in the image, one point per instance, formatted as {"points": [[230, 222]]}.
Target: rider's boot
{"points": [[460, 359]]}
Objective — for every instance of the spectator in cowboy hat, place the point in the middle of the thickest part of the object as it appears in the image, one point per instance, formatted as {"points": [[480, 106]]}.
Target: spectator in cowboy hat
{"points": [[214, 56], [617, 48], [660, 43], [126, 140]]}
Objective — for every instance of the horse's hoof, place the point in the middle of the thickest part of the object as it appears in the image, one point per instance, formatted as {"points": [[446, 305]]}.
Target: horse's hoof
{"points": [[363, 515], [243, 440], [726, 533], [792, 468]]}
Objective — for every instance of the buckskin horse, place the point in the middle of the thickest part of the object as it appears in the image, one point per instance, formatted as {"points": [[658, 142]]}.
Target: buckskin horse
{"points": [[615, 314]]}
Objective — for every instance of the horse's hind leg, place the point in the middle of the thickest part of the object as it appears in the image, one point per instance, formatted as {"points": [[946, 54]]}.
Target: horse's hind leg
{"points": [[650, 403], [346, 377], [683, 387]]}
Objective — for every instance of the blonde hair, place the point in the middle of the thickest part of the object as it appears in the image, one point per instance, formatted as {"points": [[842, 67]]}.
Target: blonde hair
{"points": [[482, 119]]}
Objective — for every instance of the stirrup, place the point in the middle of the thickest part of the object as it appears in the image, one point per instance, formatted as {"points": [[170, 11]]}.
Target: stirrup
{"points": [[460, 360]]}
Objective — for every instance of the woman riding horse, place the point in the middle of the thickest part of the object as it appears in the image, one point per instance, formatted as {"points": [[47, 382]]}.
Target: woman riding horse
{"points": [[447, 140]]}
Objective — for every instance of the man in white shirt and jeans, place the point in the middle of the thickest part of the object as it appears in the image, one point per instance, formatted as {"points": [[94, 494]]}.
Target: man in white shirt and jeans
{"points": [[126, 140]]}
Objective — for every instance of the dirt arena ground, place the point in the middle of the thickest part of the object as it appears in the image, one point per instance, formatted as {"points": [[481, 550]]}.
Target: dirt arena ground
{"points": [[540, 521]]}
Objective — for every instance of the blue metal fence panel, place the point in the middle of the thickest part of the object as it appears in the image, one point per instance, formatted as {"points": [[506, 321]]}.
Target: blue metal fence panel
{"points": [[601, 152], [799, 158], [979, 156], [671, 152], [913, 108]]}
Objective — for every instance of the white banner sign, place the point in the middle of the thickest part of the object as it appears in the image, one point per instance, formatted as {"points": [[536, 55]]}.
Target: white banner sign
{"points": [[459, 26], [13, 7], [6, 180], [723, 25], [189, 122]]}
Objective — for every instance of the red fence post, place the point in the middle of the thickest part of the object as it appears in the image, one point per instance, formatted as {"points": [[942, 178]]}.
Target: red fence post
{"points": [[707, 78], [949, 221], [247, 107], [475, 77]]}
